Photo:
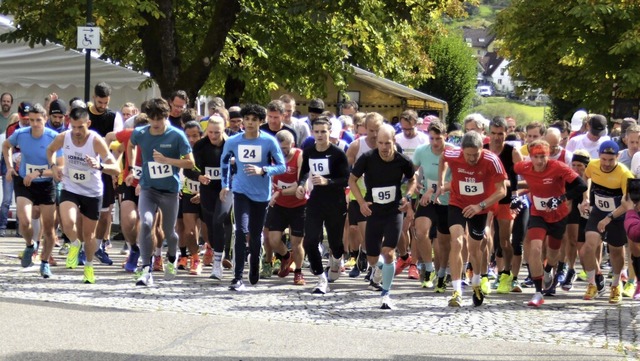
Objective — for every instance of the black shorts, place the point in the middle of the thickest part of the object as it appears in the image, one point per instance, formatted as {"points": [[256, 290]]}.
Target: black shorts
{"points": [[38, 192], [476, 223], [280, 218], [382, 231], [614, 233], [355, 216], [555, 230], [437, 213], [108, 193], [187, 207], [128, 193], [88, 206]]}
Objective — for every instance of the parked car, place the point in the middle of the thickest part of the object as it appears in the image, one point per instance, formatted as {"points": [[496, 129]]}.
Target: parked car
{"points": [[484, 90]]}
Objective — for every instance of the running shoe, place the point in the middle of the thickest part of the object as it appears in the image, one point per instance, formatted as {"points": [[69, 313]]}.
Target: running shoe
{"points": [[183, 263], [547, 280], [237, 285], [568, 282], [144, 277], [636, 295], [334, 268], [125, 249], [561, 276], [515, 286], [207, 259], [276, 266], [376, 276], [3, 233], [106, 244], [441, 286], [64, 250], [485, 285], [196, 265], [170, 271], [551, 291], [89, 277], [72, 256], [132, 261], [362, 262], [427, 284], [528, 282], [504, 283], [600, 284], [216, 271], [351, 263], [298, 278], [386, 303], [322, 286], [413, 272], [226, 264], [367, 277], [615, 295], [537, 300], [582, 276], [592, 292], [285, 267], [401, 264], [455, 300], [477, 296], [492, 274], [254, 270], [82, 257], [103, 257], [27, 256], [628, 289], [355, 272], [267, 269], [375, 286], [158, 266], [45, 271]]}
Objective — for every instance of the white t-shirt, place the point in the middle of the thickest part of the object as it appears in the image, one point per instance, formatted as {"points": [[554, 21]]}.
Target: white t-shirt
{"points": [[583, 142], [409, 145], [635, 164]]}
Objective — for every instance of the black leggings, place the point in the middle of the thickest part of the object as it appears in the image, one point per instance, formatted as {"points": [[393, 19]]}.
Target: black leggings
{"points": [[215, 214], [333, 218], [382, 231]]}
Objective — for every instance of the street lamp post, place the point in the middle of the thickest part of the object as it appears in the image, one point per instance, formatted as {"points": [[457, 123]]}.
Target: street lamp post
{"points": [[87, 63]]}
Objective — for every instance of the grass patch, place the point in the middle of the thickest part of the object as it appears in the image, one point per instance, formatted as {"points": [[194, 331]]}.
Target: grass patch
{"points": [[486, 11], [499, 106]]}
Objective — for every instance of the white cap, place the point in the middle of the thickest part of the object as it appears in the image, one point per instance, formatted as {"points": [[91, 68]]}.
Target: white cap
{"points": [[336, 128], [576, 120]]}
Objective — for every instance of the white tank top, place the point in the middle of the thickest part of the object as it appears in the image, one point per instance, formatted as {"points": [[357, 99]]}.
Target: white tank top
{"points": [[364, 147], [78, 177]]}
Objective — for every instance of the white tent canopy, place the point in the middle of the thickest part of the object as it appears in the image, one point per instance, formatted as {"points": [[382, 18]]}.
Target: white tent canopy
{"points": [[31, 74]]}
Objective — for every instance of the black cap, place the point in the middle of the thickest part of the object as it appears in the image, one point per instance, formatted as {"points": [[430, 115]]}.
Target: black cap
{"points": [[598, 125], [57, 107], [23, 109]]}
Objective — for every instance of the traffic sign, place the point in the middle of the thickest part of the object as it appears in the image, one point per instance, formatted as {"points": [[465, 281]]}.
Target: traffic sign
{"points": [[88, 37]]}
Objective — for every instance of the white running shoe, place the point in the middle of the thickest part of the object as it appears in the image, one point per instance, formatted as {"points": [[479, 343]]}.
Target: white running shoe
{"points": [[216, 271], [322, 286]]}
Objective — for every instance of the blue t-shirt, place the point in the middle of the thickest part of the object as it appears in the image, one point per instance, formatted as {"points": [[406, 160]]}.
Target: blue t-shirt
{"points": [[34, 151], [262, 151], [172, 144]]}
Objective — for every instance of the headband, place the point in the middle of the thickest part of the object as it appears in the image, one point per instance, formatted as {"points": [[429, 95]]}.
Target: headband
{"points": [[539, 149], [580, 158]]}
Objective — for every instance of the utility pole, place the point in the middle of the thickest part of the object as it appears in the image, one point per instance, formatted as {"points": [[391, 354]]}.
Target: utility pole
{"points": [[87, 63]]}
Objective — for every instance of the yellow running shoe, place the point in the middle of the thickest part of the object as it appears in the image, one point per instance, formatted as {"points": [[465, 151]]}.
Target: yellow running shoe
{"points": [[351, 262], [582, 276], [89, 277], [456, 300], [72, 256], [504, 286], [485, 285], [592, 292], [629, 289], [616, 295]]}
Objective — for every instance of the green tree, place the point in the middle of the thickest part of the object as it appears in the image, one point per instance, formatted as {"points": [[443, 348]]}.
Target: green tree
{"points": [[454, 74], [576, 50], [244, 48]]}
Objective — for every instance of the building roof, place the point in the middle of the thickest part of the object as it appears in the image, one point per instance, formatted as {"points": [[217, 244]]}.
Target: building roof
{"points": [[478, 38], [490, 62], [391, 87]]}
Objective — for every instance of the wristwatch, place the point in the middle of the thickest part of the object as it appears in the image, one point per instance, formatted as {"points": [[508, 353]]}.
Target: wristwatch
{"points": [[483, 205], [610, 215]]}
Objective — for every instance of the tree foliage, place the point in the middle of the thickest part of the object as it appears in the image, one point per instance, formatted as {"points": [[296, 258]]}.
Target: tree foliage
{"points": [[245, 48], [576, 50], [454, 74]]}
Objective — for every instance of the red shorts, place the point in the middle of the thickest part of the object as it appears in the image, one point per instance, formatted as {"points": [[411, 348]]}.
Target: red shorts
{"points": [[503, 212]]}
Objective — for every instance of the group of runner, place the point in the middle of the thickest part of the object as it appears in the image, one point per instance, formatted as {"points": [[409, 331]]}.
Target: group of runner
{"points": [[452, 209]]}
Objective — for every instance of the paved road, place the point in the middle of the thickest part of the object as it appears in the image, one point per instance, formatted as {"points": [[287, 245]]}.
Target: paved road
{"points": [[197, 318]]}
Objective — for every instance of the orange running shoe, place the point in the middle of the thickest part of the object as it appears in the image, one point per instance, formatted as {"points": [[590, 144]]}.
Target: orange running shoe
{"points": [[402, 264], [183, 263], [207, 260], [413, 272], [196, 265], [157, 264], [298, 279]]}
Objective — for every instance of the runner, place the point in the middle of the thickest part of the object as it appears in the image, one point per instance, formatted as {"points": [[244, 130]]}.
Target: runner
{"points": [[477, 183], [546, 179], [81, 185], [384, 204]]}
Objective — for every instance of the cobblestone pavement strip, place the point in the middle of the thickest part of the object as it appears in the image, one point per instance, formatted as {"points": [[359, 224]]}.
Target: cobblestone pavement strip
{"points": [[563, 320]]}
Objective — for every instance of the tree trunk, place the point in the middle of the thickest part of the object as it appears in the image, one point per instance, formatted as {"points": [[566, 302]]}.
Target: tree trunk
{"points": [[233, 90]]}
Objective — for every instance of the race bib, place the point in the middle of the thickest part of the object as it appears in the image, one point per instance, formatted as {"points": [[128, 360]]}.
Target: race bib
{"points": [[213, 172], [78, 176], [383, 195], [471, 188], [34, 168], [137, 172], [193, 186], [319, 166], [283, 185], [250, 153], [159, 171], [605, 204], [540, 203]]}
